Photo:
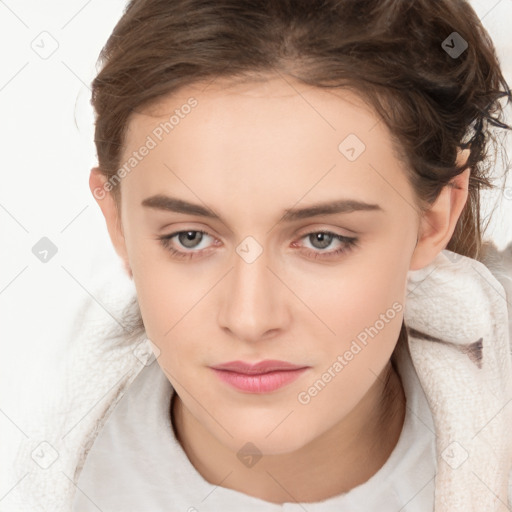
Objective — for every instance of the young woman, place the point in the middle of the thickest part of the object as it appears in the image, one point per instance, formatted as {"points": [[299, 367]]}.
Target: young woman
{"points": [[294, 188]]}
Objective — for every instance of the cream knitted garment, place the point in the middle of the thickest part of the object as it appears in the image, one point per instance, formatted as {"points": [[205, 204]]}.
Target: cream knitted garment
{"points": [[464, 366], [457, 321]]}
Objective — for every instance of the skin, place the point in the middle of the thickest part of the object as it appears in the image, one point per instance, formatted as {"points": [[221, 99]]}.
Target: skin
{"points": [[248, 152]]}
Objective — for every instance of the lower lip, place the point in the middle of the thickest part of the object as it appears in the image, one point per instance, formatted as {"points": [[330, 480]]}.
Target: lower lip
{"points": [[259, 383]]}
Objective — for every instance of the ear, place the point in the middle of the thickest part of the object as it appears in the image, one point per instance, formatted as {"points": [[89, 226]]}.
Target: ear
{"points": [[101, 190], [438, 222]]}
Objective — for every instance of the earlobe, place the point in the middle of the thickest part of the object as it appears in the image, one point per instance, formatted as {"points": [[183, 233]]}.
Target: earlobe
{"points": [[439, 221], [107, 204]]}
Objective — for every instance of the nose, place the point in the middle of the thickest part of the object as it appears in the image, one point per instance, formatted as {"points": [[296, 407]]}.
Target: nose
{"points": [[253, 301]]}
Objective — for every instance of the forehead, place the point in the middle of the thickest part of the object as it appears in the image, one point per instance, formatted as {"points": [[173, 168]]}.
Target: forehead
{"points": [[280, 105], [257, 136]]}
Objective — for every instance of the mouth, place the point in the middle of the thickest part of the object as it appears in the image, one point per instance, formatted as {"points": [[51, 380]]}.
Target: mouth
{"points": [[263, 377]]}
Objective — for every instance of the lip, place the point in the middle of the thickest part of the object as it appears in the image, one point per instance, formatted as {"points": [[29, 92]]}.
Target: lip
{"points": [[263, 377], [268, 365]]}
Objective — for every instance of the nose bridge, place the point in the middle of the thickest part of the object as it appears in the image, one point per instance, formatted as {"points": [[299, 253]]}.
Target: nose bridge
{"points": [[253, 301]]}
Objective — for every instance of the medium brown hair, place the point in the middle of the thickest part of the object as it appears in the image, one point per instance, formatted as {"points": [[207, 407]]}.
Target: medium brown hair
{"points": [[389, 51]]}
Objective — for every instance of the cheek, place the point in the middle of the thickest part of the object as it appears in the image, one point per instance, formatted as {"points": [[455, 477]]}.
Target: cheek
{"points": [[175, 307], [364, 307], [162, 290], [354, 295], [366, 323], [366, 313]]}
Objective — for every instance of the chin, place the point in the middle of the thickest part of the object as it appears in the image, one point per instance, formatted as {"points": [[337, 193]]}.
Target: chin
{"points": [[266, 438]]}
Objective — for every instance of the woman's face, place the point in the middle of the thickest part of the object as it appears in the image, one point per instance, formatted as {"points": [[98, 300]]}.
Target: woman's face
{"points": [[262, 169]]}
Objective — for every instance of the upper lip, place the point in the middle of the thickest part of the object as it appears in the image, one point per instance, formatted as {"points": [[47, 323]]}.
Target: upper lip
{"points": [[269, 365]]}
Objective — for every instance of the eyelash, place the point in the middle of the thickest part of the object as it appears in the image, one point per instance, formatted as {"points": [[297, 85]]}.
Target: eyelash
{"points": [[349, 243]]}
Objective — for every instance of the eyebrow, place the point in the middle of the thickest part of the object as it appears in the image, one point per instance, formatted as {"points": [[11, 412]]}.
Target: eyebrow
{"points": [[172, 204]]}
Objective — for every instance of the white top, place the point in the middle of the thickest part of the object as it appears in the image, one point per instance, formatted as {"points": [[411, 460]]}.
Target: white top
{"points": [[137, 464]]}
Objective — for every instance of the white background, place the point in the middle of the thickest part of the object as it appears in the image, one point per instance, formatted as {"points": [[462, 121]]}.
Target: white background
{"points": [[47, 150]]}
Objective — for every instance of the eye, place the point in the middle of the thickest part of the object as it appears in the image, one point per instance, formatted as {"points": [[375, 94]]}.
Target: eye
{"points": [[191, 241], [323, 239], [188, 239]]}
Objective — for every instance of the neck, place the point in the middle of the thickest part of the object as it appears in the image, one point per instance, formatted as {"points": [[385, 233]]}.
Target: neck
{"points": [[337, 461]]}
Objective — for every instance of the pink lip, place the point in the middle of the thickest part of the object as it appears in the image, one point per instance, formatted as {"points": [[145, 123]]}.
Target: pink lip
{"points": [[269, 365], [263, 377]]}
